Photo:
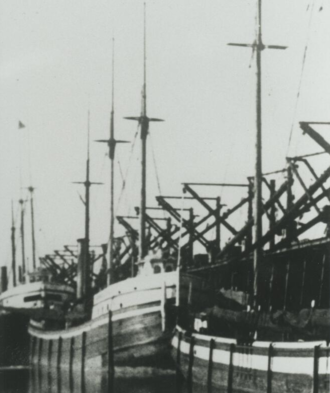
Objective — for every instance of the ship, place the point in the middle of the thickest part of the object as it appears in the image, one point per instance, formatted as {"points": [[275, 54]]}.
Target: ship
{"points": [[124, 324], [258, 317], [40, 293]]}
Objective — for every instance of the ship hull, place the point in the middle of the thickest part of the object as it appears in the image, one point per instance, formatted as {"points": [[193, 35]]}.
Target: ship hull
{"points": [[128, 336], [14, 340], [219, 364]]}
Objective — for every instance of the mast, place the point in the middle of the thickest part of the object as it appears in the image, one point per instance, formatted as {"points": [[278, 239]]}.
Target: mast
{"points": [[85, 267], [144, 134], [143, 120], [112, 142], [31, 189], [257, 255], [13, 245], [112, 146], [21, 201], [258, 46]]}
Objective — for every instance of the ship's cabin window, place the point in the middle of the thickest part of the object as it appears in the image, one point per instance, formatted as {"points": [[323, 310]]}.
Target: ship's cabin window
{"points": [[31, 298], [157, 269]]}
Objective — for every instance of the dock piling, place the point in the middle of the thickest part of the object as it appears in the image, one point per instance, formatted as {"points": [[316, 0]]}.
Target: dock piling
{"points": [[210, 366], [111, 366]]}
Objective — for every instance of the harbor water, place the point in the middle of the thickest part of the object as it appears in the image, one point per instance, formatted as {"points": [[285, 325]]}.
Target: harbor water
{"points": [[25, 380]]}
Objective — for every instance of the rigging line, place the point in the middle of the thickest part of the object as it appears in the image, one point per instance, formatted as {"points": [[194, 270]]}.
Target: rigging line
{"points": [[155, 165], [120, 170], [301, 75], [127, 170]]}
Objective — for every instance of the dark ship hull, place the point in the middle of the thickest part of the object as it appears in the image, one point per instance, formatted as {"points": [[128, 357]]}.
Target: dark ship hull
{"points": [[14, 340], [128, 336]]}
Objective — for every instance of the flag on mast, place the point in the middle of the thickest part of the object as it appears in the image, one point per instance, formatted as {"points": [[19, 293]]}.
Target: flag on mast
{"points": [[20, 125]]}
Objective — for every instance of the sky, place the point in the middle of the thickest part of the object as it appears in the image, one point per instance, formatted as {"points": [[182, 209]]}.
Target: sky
{"points": [[56, 65]]}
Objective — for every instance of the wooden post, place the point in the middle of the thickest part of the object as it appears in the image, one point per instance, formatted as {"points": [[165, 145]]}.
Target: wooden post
{"points": [[303, 284], [289, 203], [71, 357], [286, 285], [178, 364], [269, 369], [83, 356], [271, 284], [190, 365], [58, 363], [40, 351], [210, 366], [191, 235], [33, 349], [218, 224], [178, 353], [71, 364], [272, 218], [230, 368], [50, 348], [162, 305], [111, 365], [59, 353], [190, 294], [4, 279], [316, 370], [250, 214]]}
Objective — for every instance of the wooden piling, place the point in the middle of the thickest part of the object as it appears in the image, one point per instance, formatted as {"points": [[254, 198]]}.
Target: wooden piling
{"points": [[83, 356], [59, 353], [40, 351], [210, 366], [50, 350], [269, 368], [71, 357], [111, 365], [286, 285], [303, 284], [33, 341], [190, 365], [316, 369], [179, 377], [230, 368], [271, 285]]}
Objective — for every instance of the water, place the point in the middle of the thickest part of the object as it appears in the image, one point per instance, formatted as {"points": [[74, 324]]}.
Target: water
{"points": [[45, 381]]}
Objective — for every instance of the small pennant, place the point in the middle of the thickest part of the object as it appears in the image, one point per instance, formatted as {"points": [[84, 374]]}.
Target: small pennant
{"points": [[20, 125]]}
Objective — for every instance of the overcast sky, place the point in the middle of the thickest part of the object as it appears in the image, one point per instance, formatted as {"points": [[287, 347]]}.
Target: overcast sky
{"points": [[56, 65]]}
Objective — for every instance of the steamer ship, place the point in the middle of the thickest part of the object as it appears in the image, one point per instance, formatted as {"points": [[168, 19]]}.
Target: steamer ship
{"points": [[263, 323], [123, 324]]}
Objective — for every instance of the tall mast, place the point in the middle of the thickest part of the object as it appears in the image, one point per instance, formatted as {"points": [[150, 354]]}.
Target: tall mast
{"points": [[144, 134], [257, 255], [112, 142], [31, 189], [13, 245], [86, 257], [258, 47], [112, 146], [144, 127], [21, 201], [87, 195]]}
